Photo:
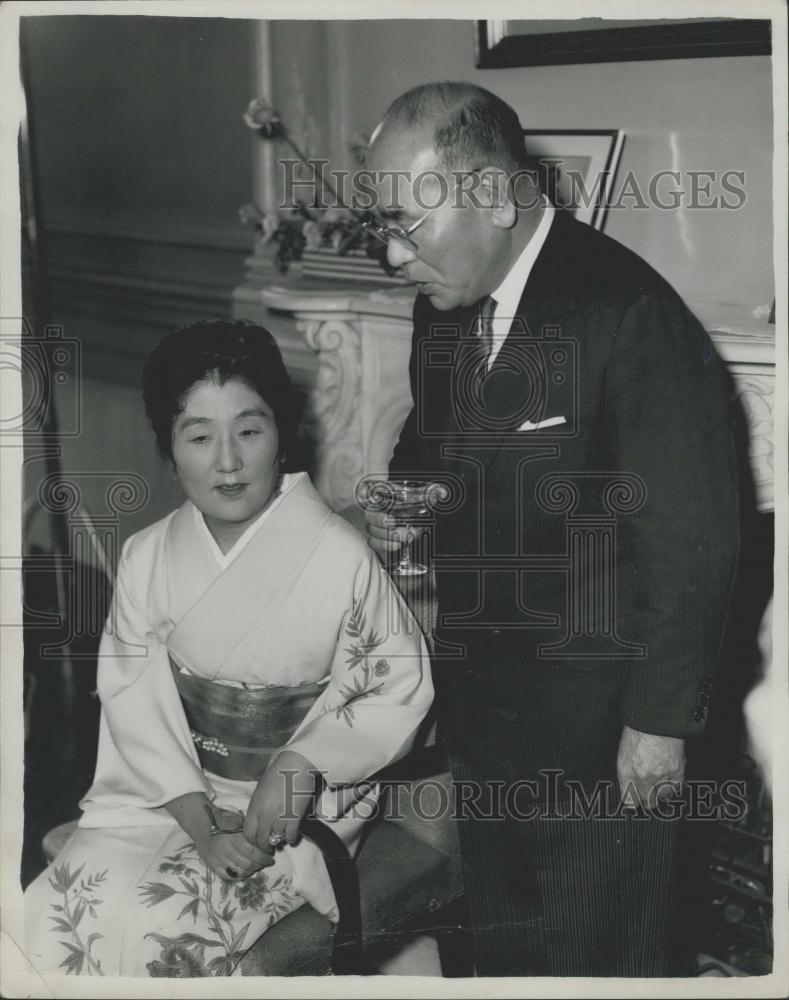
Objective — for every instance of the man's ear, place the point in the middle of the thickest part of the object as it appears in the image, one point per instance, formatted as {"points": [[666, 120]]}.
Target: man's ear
{"points": [[494, 193]]}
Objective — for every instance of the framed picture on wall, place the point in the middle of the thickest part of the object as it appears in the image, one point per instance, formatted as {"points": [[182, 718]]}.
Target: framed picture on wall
{"points": [[577, 169], [536, 42]]}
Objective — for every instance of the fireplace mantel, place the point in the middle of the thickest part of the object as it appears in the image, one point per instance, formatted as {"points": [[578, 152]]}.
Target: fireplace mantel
{"points": [[360, 395], [359, 390]]}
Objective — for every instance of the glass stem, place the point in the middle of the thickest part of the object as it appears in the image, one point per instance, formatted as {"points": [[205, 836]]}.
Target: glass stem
{"points": [[404, 566]]}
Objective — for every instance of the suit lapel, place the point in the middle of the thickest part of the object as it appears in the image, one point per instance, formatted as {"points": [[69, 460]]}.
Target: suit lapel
{"points": [[520, 385], [484, 409]]}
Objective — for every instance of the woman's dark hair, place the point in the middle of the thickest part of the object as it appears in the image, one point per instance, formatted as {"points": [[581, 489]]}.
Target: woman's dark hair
{"points": [[218, 350]]}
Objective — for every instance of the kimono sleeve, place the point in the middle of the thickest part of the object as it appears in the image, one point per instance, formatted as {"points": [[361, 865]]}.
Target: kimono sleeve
{"points": [[380, 687], [146, 756]]}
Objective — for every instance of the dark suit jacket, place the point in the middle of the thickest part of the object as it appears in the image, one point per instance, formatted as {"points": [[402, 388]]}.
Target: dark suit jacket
{"points": [[642, 471]]}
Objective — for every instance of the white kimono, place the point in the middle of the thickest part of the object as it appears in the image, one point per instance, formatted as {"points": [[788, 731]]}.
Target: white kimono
{"points": [[300, 600]]}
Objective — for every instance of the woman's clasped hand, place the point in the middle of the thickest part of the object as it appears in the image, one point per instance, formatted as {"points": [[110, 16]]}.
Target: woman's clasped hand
{"points": [[275, 666], [235, 845], [280, 801], [231, 855]]}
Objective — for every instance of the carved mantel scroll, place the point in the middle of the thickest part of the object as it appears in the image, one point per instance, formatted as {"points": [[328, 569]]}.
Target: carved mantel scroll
{"points": [[750, 358], [331, 414], [361, 396]]}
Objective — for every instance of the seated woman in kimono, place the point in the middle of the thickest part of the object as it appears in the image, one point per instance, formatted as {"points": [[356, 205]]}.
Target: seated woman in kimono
{"points": [[256, 658]]}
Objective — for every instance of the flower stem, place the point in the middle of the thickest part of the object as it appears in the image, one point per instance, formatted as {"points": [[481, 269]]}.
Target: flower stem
{"points": [[324, 183], [77, 939], [210, 907]]}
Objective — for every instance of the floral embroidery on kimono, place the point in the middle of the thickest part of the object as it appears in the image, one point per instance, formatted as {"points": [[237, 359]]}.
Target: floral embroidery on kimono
{"points": [[304, 602]]}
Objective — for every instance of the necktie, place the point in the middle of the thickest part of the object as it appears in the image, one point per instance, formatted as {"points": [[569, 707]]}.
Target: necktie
{"points": [[487, 307]]}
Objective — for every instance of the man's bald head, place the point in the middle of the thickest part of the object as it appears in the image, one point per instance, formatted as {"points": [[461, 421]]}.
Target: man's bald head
{"points": [[469, 126]]}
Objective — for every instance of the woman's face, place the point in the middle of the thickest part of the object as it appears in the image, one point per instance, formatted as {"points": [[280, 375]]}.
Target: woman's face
{"points": [[226, 455]]}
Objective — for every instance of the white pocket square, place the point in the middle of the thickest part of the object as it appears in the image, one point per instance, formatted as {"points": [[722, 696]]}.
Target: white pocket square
{"points": [[527, 425]]}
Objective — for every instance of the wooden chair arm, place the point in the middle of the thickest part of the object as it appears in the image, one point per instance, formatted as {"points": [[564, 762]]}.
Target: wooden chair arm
{"points": [[348, 948], [343, 874]]}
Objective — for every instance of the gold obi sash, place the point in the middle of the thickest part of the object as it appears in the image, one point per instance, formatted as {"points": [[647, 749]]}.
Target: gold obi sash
{"points": [[238, 730]]}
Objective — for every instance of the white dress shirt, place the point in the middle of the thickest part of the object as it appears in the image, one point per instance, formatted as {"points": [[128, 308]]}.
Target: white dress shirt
{"points": [[508, 295]]}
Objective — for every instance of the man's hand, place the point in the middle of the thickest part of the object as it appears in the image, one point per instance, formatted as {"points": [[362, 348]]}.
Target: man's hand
{"points": [[279, 802], [385, 537], [651, 766]]}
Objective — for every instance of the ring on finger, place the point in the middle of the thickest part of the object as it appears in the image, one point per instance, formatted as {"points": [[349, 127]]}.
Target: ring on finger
{"points": [[275, 839], [232, 872]]}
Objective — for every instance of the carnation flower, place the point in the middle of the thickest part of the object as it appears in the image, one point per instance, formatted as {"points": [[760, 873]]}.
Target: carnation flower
{"points": [[250, 215], [337, 215], [312, 234], [269, 226], [302, 228], [262, 117], [358, 145]]}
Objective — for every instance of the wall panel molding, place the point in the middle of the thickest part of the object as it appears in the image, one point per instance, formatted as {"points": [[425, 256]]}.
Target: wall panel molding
{"points": [[152, 229], [120, 285]]}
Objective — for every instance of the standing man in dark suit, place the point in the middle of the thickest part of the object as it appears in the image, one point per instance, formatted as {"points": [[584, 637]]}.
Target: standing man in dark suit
{"points": [[579, 414]]}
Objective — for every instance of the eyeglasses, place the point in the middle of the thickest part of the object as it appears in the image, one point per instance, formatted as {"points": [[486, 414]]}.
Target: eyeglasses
{"points": [[388, 233]]}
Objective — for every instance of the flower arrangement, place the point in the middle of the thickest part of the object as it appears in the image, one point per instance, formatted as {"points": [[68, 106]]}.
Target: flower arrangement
{"points": [[294, 230]]}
